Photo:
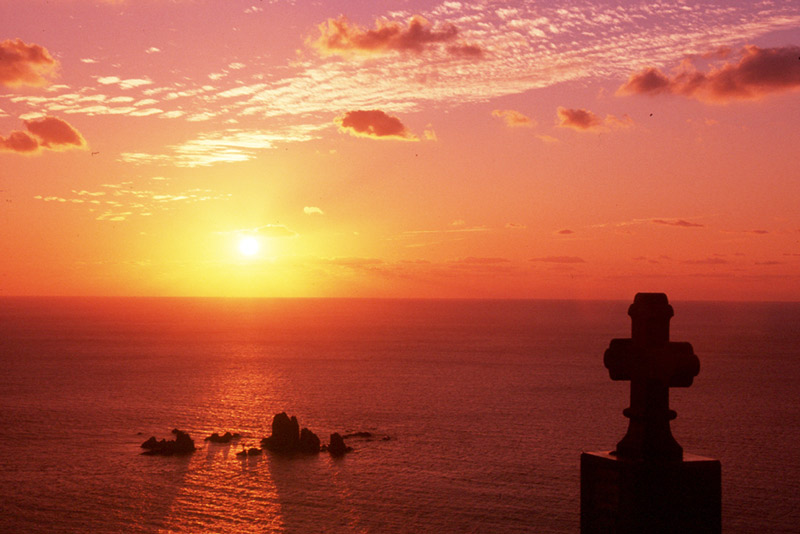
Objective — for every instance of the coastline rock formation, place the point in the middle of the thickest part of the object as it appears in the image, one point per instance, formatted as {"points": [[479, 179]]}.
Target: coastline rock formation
{"points": [[182, 444], [287, 438]]}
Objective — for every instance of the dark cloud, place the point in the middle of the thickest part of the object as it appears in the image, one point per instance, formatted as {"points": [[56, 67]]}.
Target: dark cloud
{"points": [[515, 226], [560, 259], [584, 120], [374, 124], [18, 141], [566, 231], [649, 81], [55, 134], [48, 132], [341, 37], [759, 72], [578, 119], [678, 222], [25, 64], [469, 51]]}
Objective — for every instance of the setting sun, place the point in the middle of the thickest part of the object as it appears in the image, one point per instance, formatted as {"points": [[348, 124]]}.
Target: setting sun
{"points": [[249, 246]]}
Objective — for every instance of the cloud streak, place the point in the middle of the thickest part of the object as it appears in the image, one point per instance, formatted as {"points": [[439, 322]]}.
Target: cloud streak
{"points": [[120, 201], [758, 73], [227, 146], [678, 222], [560, 259], [25, 64]]}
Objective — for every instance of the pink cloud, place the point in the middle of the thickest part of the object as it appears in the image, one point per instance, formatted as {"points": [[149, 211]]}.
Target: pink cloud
{"points": [[578, 119], [678, 222], [18, 141], [55, 134], [759, 72], [374, 124], [25, 64], [513, 118], [341, 37], [468, 51], [584, 120], [48, 132]]}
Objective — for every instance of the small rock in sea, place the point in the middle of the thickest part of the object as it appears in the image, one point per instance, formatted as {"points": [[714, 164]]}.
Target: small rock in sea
{"points": [[182, 444], [151, 443], [364, 435], [336, 447], [216, 438]]}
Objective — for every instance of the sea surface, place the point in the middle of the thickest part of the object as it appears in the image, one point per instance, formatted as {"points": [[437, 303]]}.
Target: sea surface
{"points": [[487, 406]]}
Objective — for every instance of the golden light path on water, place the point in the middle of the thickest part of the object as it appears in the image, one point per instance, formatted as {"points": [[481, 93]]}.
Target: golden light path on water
{"points": [[222, 492], [214, 498], [225, 493]]}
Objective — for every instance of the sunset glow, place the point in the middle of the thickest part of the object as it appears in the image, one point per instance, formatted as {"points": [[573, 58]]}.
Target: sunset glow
{"points": [[400, 149], [249, 246]]}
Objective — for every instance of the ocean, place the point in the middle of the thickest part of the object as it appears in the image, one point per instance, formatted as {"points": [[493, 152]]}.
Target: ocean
{"points": [[479, 411]]}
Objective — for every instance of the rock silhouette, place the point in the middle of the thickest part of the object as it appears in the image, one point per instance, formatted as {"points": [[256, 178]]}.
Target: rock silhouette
{"points": [[253, 451], [182, 444], [287, 438], [336, 447], [309, 442], [227, 437]]}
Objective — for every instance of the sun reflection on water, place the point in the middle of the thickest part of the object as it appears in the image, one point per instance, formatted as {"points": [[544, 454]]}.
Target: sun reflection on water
{"points": [[222, 492]]}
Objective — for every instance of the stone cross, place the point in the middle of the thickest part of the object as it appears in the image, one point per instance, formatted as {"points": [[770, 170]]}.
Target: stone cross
{"points": [[653, 364]]}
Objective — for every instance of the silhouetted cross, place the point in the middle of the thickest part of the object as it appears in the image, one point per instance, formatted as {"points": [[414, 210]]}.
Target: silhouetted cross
{"points": [[653, 364]]}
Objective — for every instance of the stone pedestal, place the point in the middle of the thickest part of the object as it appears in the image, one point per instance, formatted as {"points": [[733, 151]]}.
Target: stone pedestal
{"points": [[624, 496]]}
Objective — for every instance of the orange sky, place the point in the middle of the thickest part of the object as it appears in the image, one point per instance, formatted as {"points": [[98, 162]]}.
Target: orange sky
{"points": [[400, 149]]}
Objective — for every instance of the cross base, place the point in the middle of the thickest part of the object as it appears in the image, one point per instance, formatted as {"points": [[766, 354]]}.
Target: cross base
{"points": [[623, 496]]}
